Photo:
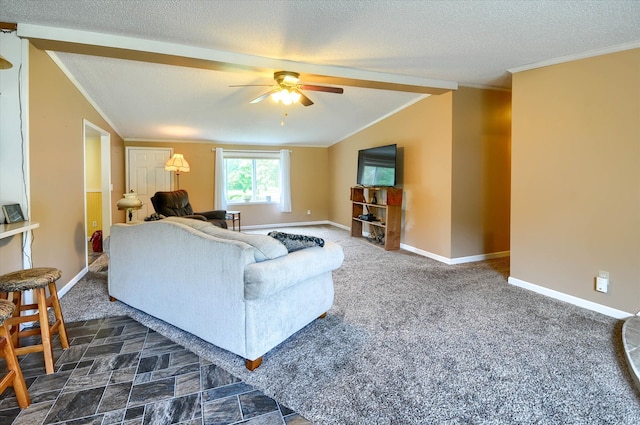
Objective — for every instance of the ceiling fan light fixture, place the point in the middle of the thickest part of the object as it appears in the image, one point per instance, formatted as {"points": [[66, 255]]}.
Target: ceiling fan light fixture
{"points": [[285, 96], [289, 90], [286, 78], [295, 96]]}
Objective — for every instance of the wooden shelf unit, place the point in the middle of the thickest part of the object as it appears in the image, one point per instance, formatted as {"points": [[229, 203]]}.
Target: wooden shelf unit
{"points": [[387, 207]]}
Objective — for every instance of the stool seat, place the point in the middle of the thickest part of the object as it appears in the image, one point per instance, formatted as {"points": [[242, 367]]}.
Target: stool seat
{"points": [[23, 280], [6, 310], [38, 280]]}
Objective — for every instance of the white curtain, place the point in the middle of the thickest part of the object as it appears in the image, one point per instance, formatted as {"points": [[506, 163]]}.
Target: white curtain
{"points": [[285, 180], [220, 185]]}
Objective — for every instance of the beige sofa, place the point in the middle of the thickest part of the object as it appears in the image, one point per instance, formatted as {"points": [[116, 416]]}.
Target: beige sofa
{"points": [[243, 293]]}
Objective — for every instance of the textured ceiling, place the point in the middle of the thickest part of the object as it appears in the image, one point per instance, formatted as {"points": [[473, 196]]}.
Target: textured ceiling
{"points": [[471, 43]]}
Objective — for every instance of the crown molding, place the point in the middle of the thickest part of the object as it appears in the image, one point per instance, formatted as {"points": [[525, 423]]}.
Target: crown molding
{"points": [[571, 58]]}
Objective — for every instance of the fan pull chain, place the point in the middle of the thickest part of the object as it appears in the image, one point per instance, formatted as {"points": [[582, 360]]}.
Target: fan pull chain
{"points": [[285, 114]]}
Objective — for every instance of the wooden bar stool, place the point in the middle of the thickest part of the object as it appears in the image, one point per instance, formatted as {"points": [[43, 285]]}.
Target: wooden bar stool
{"points": [[14, 376], [37, 279]]}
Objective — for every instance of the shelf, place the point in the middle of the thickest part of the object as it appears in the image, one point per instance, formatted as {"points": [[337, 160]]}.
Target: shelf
{"points": [[387, 209], [374, 223], [7, 230], [372, 205]]}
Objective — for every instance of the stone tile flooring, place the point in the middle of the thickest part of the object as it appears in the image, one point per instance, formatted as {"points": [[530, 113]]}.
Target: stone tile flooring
{"points": [[118, 371]]}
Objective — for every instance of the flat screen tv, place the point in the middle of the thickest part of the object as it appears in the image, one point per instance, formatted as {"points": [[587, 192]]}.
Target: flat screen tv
{"points": [[377, 166]]}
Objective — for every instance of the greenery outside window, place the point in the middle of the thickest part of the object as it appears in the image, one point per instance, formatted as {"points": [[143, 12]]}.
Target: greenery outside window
{"points": [[252, 177]]}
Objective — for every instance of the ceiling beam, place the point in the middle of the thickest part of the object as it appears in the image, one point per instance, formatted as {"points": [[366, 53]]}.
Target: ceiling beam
{"points": [[8, 26], [120, 47]]}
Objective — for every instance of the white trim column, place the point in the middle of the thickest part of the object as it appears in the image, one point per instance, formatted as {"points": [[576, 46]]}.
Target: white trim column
{"points": [[14, 131]]}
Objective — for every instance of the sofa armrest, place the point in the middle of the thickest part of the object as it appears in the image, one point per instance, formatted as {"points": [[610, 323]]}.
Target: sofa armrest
{"points": [[195, 217], [214, 215], [272, 276]]}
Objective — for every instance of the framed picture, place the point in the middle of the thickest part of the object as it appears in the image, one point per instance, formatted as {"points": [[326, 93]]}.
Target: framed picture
{"points": [[12, 213]]}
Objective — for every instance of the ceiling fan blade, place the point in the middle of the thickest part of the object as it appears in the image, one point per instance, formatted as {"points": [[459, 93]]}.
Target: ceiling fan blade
{"points": [[337, 90], [262, 96], [304, 99]]}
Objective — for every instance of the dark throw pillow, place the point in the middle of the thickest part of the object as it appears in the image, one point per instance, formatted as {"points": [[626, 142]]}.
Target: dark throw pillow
{"points": [[296, 242]]}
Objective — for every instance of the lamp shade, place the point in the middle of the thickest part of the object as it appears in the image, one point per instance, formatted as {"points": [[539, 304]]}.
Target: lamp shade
{"points": [[177, 163], [129, 201]]}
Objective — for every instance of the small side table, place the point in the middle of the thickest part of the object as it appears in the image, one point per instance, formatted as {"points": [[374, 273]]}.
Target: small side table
{"points": [[234, 216]]}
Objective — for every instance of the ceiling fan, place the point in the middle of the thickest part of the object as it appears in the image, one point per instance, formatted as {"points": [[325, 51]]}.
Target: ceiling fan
{"points": [[288, 89]]}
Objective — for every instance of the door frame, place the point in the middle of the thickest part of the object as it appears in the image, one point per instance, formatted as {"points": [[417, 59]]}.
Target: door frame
{"points": [[89, 129]]}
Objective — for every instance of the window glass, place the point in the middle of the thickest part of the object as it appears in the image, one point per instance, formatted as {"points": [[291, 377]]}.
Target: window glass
{"points": [[252, 179]]}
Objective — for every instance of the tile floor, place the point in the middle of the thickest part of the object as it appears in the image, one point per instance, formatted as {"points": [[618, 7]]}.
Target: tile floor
{"points": [[118, 371]]}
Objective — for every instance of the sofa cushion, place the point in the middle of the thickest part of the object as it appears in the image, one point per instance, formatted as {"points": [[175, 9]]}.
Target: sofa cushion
{"points": [[269, 277], [296, 242], [264, 247]]}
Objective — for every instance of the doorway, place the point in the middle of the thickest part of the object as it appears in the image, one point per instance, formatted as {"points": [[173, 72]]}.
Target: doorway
{"points": [[97, 183]]}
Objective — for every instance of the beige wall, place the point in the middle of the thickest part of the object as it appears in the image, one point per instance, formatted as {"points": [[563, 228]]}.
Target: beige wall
{"points": [[423, 135], [309, 174], [56, 113], [459, 138], [576, 178], [10, 254], [481, 172]]}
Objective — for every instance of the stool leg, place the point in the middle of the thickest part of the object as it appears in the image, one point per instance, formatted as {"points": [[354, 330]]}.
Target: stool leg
{"points": [[62, 330], [17, 300], [19, 385], [45, 332]]}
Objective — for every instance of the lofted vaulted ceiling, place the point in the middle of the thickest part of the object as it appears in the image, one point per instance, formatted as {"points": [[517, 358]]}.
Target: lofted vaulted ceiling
{"points": [[161, 69]]}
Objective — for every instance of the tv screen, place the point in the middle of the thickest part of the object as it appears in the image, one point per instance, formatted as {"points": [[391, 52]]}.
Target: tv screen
{"points": [[377, 166]]}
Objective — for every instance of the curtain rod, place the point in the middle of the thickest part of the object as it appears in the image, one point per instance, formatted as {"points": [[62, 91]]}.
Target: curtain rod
{"points": [[247, 150]]}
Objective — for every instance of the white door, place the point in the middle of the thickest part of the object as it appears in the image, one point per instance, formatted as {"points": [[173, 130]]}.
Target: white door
{"points": [[146, 176]]}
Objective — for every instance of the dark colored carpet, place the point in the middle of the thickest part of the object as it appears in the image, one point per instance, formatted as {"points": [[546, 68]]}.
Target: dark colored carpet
{"points": [[413, 341]]}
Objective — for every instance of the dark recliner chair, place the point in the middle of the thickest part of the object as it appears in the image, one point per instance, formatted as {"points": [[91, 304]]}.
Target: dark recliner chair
{"points": [[176, 204]]}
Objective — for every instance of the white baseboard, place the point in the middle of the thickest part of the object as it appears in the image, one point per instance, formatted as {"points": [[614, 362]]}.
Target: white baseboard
{"points": [[341, 226], [66, 288], [589, 305], [300, 223], [458, 260], [480, 257], [449, 261]]}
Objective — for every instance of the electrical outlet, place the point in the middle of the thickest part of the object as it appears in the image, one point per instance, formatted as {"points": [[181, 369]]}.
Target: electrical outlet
{"points": [[94, 224], [602, 281], [308, 212]]}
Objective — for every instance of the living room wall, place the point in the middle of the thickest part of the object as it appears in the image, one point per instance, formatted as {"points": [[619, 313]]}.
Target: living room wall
{"points": [[576, 180], [423, 134], [481, 172], [56, 113], [454, 172], [309, 174]]}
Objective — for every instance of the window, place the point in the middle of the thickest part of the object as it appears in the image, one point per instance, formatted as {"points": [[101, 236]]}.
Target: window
{"points": [[252, 176]]}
